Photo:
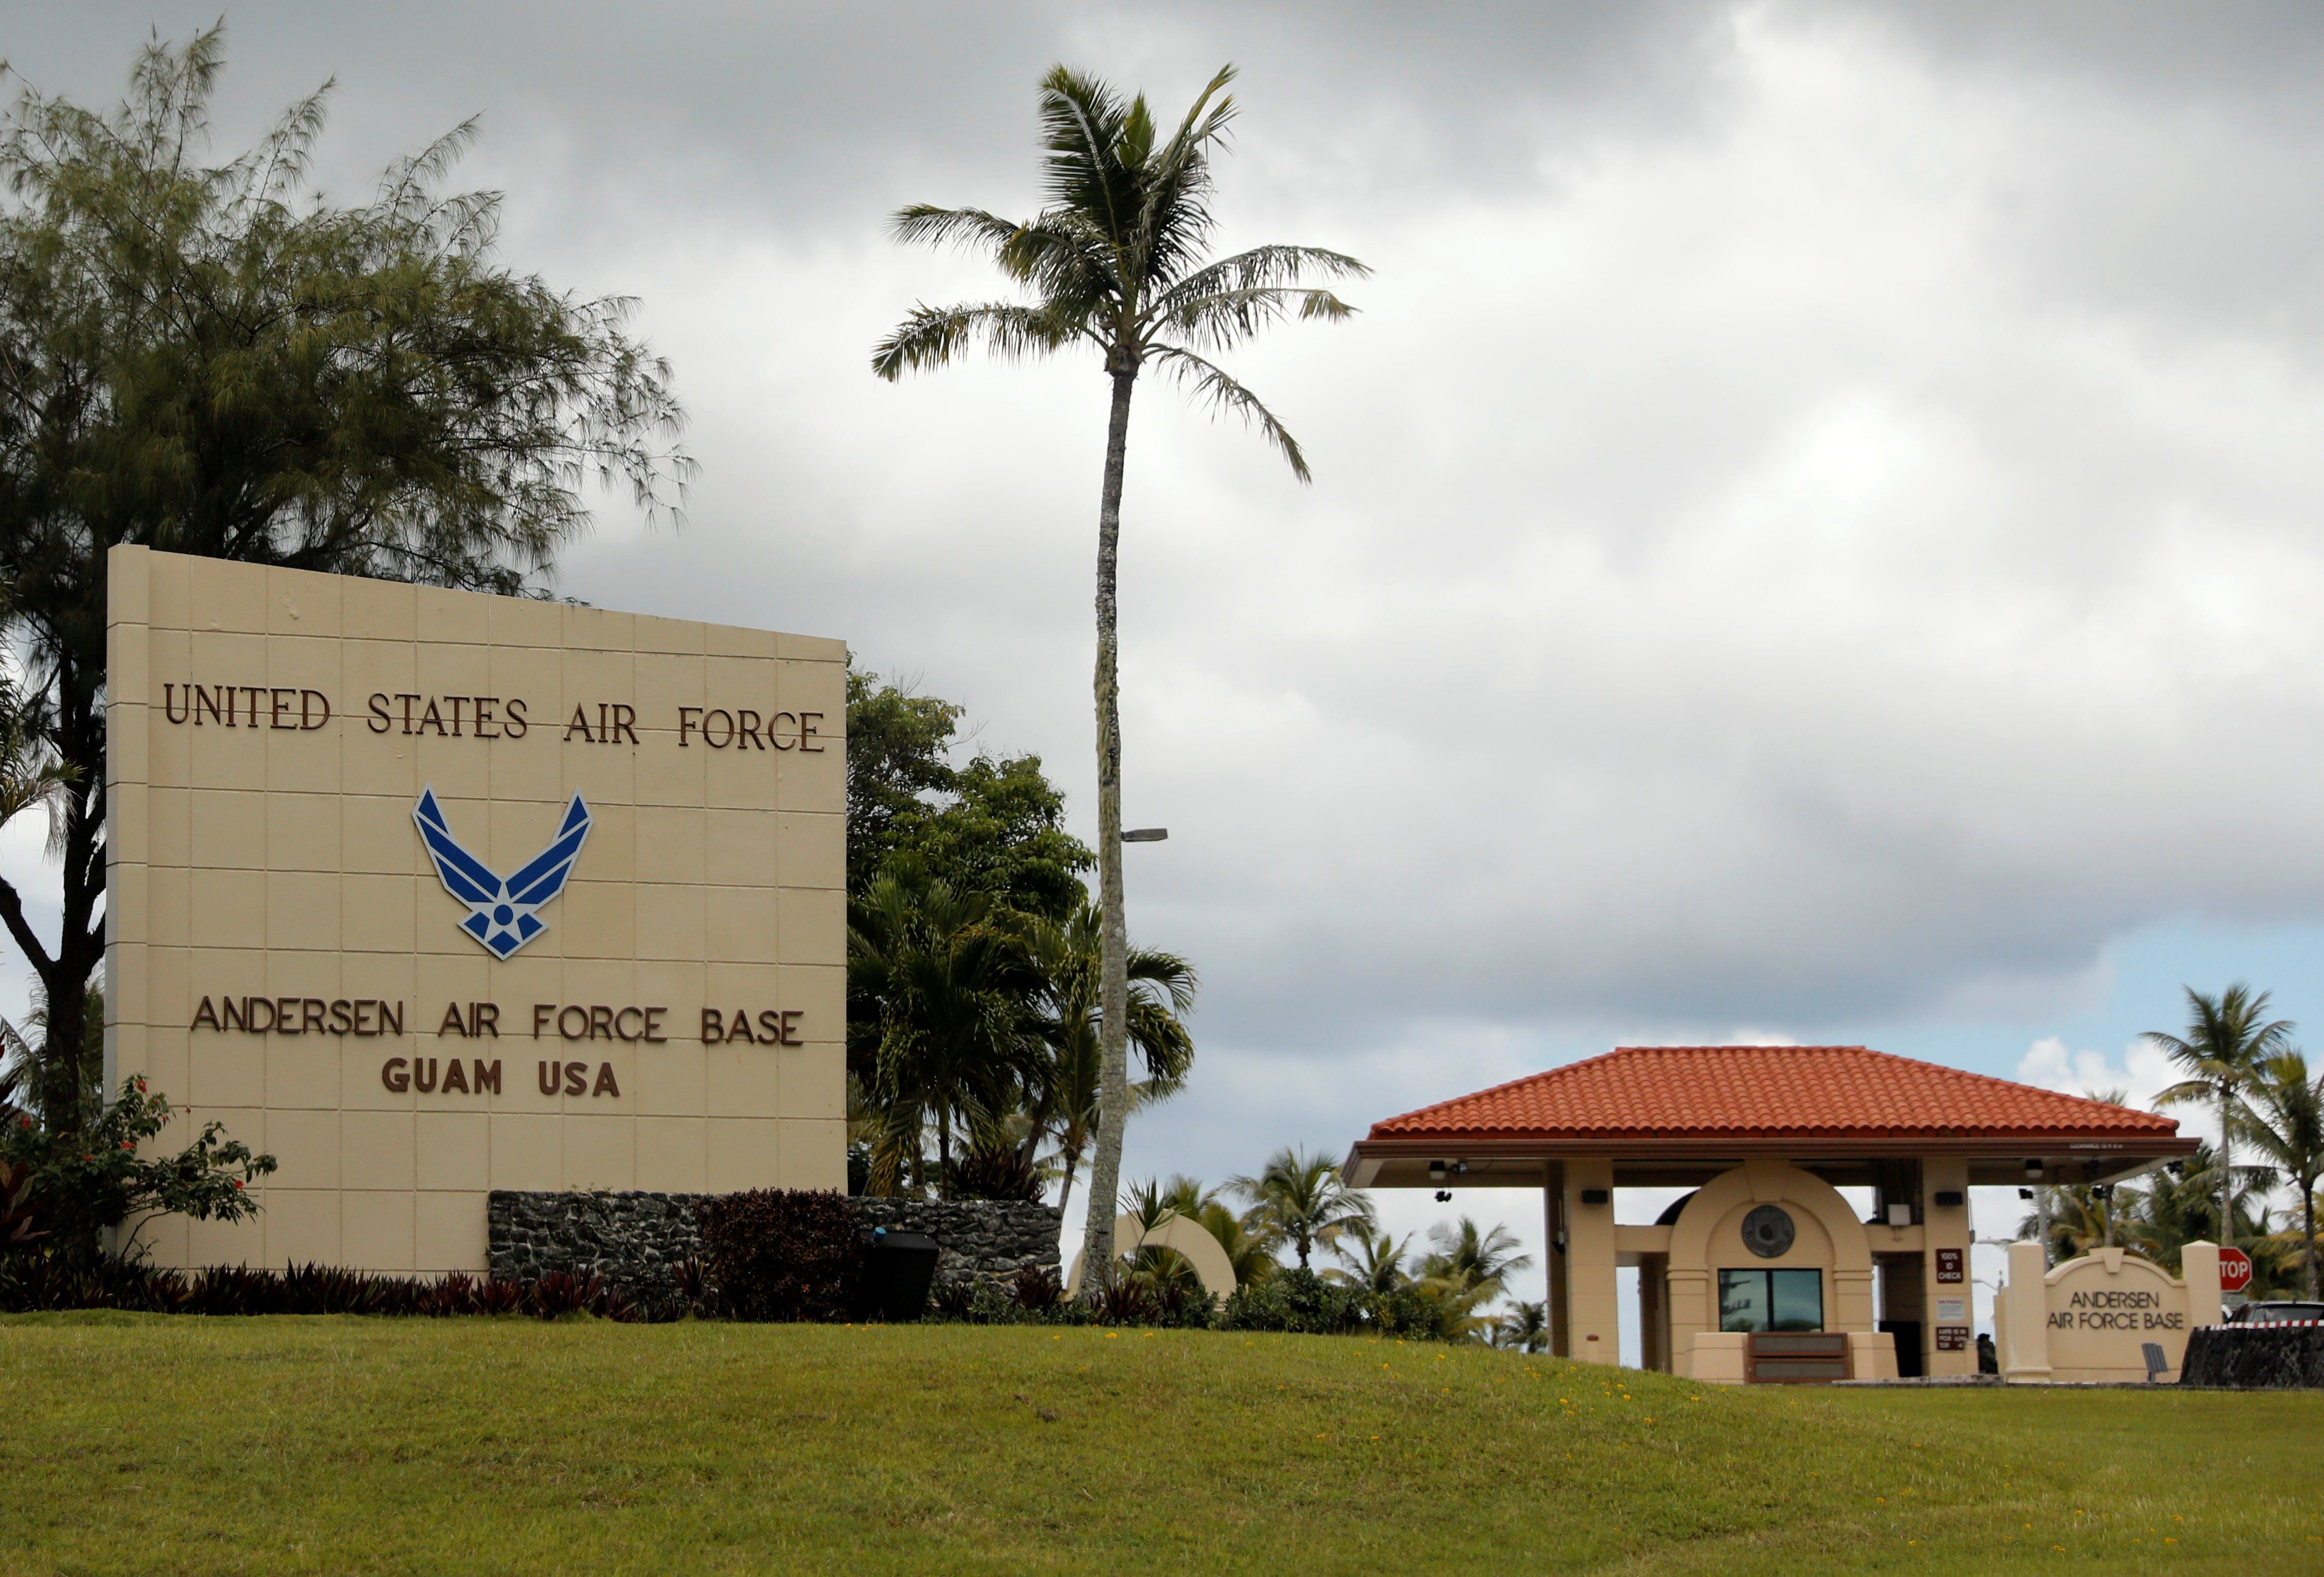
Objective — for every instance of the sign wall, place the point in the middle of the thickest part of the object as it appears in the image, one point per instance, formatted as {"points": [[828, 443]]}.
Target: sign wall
{"points": [[429, 893], [2093, 1318]]}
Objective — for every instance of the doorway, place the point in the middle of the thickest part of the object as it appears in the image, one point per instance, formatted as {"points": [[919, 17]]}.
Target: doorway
{"points": [[1904, 1309]]}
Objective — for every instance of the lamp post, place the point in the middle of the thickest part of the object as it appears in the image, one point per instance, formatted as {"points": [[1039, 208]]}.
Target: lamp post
{"points": [[2040, 1196]]}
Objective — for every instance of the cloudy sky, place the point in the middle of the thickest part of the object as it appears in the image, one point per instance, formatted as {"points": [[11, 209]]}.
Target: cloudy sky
{"points": [[1814, 533]]}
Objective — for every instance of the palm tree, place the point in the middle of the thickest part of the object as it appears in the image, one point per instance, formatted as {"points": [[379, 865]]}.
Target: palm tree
{"points": [[1375, 1262], [1302, 1199], [2282, 1118], [1525, 1328], [2068, 1221], [940, 985], [1247, 1241], [2077, 1220], [2228, 1036], [1472, 1258], [1116, 261], [1186, 1196], [1062, 1100]]}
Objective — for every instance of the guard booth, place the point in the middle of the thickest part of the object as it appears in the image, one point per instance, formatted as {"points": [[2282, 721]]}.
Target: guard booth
{"points": [[1763, 1272]]}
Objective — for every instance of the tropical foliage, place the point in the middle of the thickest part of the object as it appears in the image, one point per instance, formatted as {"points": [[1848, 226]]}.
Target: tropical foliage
{"points": [[1525, 1328], [944, 1037], [1300, 1198], [1117, 262], [974, 965], [102, 1172], [2159, 1213], [2227, 1037], [2281, 1119]]}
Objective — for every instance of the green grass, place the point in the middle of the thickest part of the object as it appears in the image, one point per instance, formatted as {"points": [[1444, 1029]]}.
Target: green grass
{"points": [[147, 1444]]}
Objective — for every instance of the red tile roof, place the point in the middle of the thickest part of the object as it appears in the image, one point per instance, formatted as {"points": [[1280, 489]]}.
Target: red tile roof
{"points": [[1764, 1091]]}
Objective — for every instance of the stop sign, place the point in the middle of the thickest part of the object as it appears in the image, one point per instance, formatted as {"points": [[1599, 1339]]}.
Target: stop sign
{"points": [[2234, 1270]]}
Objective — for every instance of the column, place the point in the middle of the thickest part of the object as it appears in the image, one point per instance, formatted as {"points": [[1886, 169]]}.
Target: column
{"points": [[1945, 1266], [2199, 1266], [1552, 1212], [2025, 1343], [1593, 1306], [1654, 1313]]}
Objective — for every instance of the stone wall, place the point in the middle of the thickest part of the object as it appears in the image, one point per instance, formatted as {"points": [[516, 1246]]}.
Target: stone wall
{"points": [[2255, 1357], [634, 1238], [979, 1238]]}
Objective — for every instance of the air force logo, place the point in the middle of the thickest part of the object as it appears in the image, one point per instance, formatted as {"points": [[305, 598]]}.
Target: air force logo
{"points": [[503, 911]]}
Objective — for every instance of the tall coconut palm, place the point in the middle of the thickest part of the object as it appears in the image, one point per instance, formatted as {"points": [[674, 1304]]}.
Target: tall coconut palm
{"points": [[1116, 261], [1303, 1199], [2228, 1036], [2283, 1119], [1064, 1099]]}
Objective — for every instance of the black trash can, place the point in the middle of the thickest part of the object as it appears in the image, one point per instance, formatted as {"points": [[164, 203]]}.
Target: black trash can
{"points": [[898, 1267]]}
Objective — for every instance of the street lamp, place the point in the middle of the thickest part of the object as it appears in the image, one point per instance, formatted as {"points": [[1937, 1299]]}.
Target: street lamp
{"points": [[1146, 834], [2041, 1198]]}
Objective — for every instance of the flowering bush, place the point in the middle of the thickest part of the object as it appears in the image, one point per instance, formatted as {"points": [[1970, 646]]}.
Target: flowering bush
{"points": [[95, 1175]]}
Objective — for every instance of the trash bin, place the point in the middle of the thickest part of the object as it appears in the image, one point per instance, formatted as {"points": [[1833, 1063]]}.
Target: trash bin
{"points": [[898, 1267]]}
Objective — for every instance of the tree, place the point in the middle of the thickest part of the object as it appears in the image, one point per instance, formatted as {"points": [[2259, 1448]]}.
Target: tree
{"points": [[2283, 1119], [896, 758], [995, 826], [2070, 1220], [945, 1042], [1063, 1098], [1116, 261], [1375, 1262], [197, 358], [1525, 1328], [2080, 1218], [1471, 1259], [1304, 1200], [1245, 1239], [2228, 1036], [95, 1176]]}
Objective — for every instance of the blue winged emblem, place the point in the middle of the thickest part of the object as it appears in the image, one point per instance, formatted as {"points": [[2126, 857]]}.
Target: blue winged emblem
{"points": [[503, 911]]}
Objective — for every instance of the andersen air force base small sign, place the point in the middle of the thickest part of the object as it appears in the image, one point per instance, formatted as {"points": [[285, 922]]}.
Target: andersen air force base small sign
{"points": [[430, 893]]}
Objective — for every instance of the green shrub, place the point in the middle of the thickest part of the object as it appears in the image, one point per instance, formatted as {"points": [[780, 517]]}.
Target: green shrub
{"points": [[782, 1253], [1409, 1312], [992, 1172], [1037, 1289], [66, 1185], [1297, 1301]]}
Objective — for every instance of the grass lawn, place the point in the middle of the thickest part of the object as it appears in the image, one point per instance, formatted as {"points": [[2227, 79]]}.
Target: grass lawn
{"points": [[152, 1444]]}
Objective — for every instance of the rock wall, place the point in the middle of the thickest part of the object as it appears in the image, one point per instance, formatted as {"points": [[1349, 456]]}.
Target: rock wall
{"points": [[2255, 1357], [634, 1238], [980, 1239]]}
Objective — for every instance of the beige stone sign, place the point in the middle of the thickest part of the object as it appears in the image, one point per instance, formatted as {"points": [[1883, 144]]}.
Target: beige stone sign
{"points": [[429, 893], [2091, 1319]]}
